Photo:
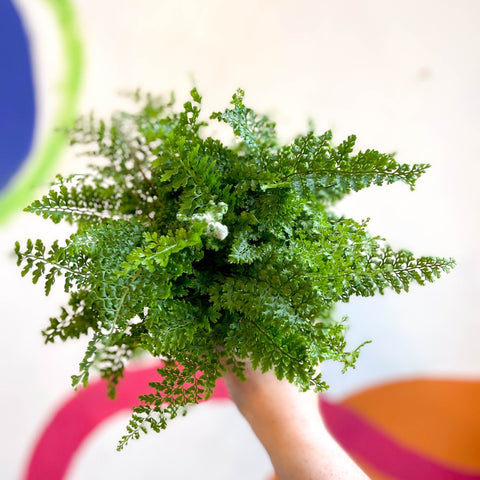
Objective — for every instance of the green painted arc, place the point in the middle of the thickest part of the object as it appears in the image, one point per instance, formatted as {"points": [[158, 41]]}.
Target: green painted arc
{"points": [[40, 168]]}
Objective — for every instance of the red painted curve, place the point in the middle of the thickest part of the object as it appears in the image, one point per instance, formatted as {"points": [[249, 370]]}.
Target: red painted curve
{"points": [[81, 414], [78, 417], [367, 443]]}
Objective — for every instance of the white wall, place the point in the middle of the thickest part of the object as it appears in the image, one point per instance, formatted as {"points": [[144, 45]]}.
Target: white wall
{"points": [[403, 76]]}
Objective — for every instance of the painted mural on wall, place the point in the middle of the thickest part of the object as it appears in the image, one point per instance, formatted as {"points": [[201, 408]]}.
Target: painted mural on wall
{"points": [[403, 424], [24, 170]]}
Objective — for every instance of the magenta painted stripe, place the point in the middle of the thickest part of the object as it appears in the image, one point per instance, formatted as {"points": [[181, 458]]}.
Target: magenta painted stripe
{"points": [[368, 443], [89, 407], [81, 414]]}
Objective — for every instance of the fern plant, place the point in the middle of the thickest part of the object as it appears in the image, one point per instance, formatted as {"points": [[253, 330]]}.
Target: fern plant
{"points": [[206, 255]]}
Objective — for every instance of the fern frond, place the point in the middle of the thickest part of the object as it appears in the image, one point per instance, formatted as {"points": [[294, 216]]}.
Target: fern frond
{"points": [[210, 255]]}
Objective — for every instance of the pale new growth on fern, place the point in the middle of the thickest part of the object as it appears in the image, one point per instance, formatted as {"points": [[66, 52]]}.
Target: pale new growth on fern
{"points": [[203, 254]]}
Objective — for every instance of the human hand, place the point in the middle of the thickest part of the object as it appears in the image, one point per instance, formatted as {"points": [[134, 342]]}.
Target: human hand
{"points": [[289, 425]]}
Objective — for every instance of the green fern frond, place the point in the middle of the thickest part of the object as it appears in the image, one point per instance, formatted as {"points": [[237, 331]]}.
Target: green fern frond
{"points": [[207, 255]]}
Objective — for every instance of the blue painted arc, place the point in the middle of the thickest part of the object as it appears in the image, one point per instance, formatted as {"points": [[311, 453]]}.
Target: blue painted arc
{"points": [[17, 94]]}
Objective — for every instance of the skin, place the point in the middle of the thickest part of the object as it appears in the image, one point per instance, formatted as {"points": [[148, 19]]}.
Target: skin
{"points": [[288, 424]]}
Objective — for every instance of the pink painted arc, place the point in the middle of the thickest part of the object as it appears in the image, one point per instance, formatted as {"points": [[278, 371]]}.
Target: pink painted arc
{"points": [[76, 419]]}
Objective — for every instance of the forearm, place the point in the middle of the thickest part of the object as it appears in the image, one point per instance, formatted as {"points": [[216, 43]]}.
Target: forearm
{"points": [[288, 424]]}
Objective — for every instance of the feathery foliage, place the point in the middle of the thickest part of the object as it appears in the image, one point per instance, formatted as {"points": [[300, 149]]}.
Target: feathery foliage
{"points": [[206, 255]]}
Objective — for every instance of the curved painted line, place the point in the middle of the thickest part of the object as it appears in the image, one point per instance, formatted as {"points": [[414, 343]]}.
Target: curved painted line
{"points": [[81, 414], [371, 445], [437, 416], [41, 167]]}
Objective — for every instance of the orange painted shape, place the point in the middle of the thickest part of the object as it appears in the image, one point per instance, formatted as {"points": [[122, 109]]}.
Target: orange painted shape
{"points": [[437, 418]]}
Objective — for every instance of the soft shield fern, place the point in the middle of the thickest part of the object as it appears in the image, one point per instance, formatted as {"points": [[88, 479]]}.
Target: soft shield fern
{"points": [[207, 255]]}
